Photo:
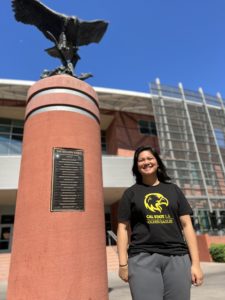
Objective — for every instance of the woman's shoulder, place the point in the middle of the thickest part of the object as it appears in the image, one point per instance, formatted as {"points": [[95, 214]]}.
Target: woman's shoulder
{"points": [[128, 193], [172, 186], [169, 185], [132, 188]]}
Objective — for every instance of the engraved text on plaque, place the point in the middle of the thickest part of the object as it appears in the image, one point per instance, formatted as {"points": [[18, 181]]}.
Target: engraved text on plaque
{"points": [[68, 180]]}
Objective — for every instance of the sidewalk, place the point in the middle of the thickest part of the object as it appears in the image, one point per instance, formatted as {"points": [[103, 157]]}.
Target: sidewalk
{"points": [[213, 288]]}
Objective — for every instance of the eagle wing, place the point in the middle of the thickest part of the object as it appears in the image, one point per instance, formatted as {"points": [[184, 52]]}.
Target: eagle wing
{"points": [[35, 13], [91, 31]]}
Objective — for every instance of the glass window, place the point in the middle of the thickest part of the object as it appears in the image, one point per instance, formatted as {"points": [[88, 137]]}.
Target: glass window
{"points": [[5, 121], [17, 137], [17, 130], [222, 216], [4, 129], [11, 136], [7, 219], [147, 127], [4, 137], [103, 141], [220, 137]]}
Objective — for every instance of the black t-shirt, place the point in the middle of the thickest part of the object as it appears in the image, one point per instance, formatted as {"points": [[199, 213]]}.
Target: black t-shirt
{"points": [[153, 213]]}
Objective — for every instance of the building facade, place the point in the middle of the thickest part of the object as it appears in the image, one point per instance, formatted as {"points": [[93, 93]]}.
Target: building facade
{"points": [[186, 127]]}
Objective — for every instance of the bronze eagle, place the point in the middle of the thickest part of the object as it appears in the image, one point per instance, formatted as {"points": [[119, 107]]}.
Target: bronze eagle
{"points": [[68, 33]]}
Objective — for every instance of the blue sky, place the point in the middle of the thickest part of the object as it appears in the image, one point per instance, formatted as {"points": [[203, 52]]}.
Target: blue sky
{"points": [[175, 40]]}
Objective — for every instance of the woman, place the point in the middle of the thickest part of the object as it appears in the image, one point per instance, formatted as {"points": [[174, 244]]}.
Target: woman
{"points": [[162, 259]]}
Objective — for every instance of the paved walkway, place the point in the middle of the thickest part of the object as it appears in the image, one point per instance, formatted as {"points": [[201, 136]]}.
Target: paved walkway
{"points": [[213, 288]]}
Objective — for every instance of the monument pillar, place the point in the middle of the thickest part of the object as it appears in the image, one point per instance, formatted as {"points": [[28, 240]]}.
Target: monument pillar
{"points": [[59, 234]]}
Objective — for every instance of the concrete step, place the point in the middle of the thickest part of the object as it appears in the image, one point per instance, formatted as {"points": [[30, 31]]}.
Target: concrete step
{"points": [[4, 265], [112, 258]]}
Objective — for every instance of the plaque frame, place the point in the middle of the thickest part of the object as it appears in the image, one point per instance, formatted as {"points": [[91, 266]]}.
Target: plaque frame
{"points": [[64, 191]]}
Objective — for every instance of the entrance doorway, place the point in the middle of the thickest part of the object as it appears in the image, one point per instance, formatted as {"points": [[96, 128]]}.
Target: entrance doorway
{"points": [[6, 233]]}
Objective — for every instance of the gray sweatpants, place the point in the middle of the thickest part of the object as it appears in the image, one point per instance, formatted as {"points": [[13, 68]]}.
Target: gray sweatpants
{"points": [[159, 277]]}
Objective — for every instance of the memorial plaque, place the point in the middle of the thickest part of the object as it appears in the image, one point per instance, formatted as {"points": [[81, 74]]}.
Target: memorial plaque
{"points": [[67, 180]]}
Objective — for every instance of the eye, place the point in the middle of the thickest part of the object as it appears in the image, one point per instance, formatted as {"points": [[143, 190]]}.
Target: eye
{"points": [[149, 158], [140, 160]]}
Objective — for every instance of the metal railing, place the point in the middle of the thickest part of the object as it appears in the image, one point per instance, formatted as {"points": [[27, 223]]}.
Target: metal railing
{"points": [[112, 238]]}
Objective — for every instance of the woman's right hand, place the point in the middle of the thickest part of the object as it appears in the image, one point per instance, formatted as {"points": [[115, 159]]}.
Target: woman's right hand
{"points": [[123, 273]]}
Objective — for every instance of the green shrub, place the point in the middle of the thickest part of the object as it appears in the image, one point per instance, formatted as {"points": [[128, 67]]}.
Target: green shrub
{"points": [[217, 252]]}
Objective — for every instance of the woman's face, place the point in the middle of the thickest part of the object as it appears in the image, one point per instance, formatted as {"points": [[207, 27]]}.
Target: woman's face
{"points": [[147, 163]]}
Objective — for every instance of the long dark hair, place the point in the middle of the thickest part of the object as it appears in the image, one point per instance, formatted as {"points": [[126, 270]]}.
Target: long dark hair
{"points": [[161, 171]]}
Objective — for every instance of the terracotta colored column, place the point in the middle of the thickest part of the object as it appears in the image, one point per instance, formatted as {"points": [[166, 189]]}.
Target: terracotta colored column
{"points": [[59, 253]]}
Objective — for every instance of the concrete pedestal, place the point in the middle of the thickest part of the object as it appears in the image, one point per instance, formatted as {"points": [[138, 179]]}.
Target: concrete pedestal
{"points": [[59, 255]]}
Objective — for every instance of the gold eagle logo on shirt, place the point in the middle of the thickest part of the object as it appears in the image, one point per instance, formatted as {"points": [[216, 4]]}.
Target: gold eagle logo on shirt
{"points": [[154, 202]]}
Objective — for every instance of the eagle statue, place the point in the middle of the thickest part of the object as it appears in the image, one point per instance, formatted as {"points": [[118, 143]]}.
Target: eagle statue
{"points": [[67, 33]]}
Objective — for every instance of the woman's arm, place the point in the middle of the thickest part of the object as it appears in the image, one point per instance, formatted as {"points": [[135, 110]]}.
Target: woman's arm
{"points": [[190, 237], [122, 245]]}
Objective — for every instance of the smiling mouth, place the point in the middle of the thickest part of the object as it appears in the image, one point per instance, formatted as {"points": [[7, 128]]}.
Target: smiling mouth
{"points": [[147, 166]]}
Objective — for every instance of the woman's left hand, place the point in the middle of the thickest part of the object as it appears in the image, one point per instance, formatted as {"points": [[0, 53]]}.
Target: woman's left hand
{"points": [[196, 275], [123, 273]]}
